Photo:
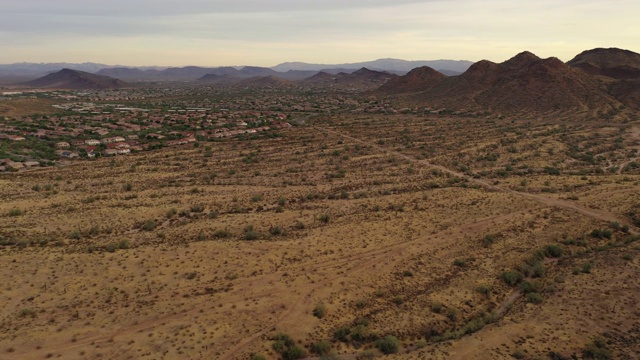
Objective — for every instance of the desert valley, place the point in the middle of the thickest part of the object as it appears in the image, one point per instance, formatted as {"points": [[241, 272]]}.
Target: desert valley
{"points": [[467, 211]]}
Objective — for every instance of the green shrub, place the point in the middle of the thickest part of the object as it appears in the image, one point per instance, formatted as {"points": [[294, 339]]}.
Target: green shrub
{"points": [[484, 289], [388, 345], [197, 208], [321, 347], [258, 357], [149, 225], [436, 307], [554, 251], [511, 278], [597, 350], [342, 333], [488, 240], [27, 313], [320, 310], [452, 314], [534, 298], [171, 213], [529, 287], [367, 354], [284, 345], [359, 333], [222, 234], [276, 230], [250, 233], [111, 247], [16, 212], [324, 218], [459, 263]]}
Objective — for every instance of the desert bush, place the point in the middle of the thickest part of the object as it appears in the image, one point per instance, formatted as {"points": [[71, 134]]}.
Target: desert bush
{"points": [[213, 215], [534, 298], [127, 187], [597, 350], [111, 247], [276, 230], [367, 354], [320, 310], [171, 213], [287, 348], [75, 235], [511, 278], [321, 347], [554, 251], [529, 287], [484, 289], [488, 240], [196, 208], [388, 345], [149, 225], [459, 263], [342, 333], [452, 314], [27, 313], [16, 212], [258, 357], [359, 333], [222, 234], [250, 233], [437, 307], [601, 233], [324, 218]]}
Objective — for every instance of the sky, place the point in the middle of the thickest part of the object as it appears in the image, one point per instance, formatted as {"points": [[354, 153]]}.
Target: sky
{"points": [[268, 32]]}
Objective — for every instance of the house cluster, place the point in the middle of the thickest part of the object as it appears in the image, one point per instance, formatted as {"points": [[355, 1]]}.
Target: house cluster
{"points": [[9, 165]]}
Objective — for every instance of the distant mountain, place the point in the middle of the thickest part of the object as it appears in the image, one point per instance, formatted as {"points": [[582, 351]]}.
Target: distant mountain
{"points": [[215, 79], [75, 80], [418, 79], [389, 65], [362, 79], [40, 69], [266, 81]]}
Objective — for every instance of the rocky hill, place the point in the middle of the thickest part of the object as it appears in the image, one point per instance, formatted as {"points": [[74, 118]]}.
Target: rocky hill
{"points": [[614, 63], [418, 79], [526, 84], [362, 79], [75, 80]]}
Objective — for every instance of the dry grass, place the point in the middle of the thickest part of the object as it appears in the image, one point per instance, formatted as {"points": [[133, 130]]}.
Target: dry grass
{"points": [[209, 257]]}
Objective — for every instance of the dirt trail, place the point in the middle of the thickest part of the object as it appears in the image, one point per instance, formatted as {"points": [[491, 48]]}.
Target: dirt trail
{"points": [[595, 214]]}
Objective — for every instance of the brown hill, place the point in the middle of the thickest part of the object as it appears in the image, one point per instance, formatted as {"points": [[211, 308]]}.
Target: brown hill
{"points": [[522, 84], [418, 79], [215, 79], [266, 81], [362, 79], [76, 80], [614, 63]]}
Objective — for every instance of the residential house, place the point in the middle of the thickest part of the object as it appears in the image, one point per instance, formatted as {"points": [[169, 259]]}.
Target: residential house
{"points": [[63, 145], [92, 142], [67, 154]]}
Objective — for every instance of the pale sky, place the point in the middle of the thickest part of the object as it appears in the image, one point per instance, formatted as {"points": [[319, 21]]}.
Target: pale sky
{"points": [[265, 33]]}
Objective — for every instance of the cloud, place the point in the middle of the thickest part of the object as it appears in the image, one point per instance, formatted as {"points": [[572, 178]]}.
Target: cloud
{"points": [[262, 32]]}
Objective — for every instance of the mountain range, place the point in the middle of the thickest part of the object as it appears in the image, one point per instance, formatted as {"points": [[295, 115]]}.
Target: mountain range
{"points": [[595, 80], [289, 70]]}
